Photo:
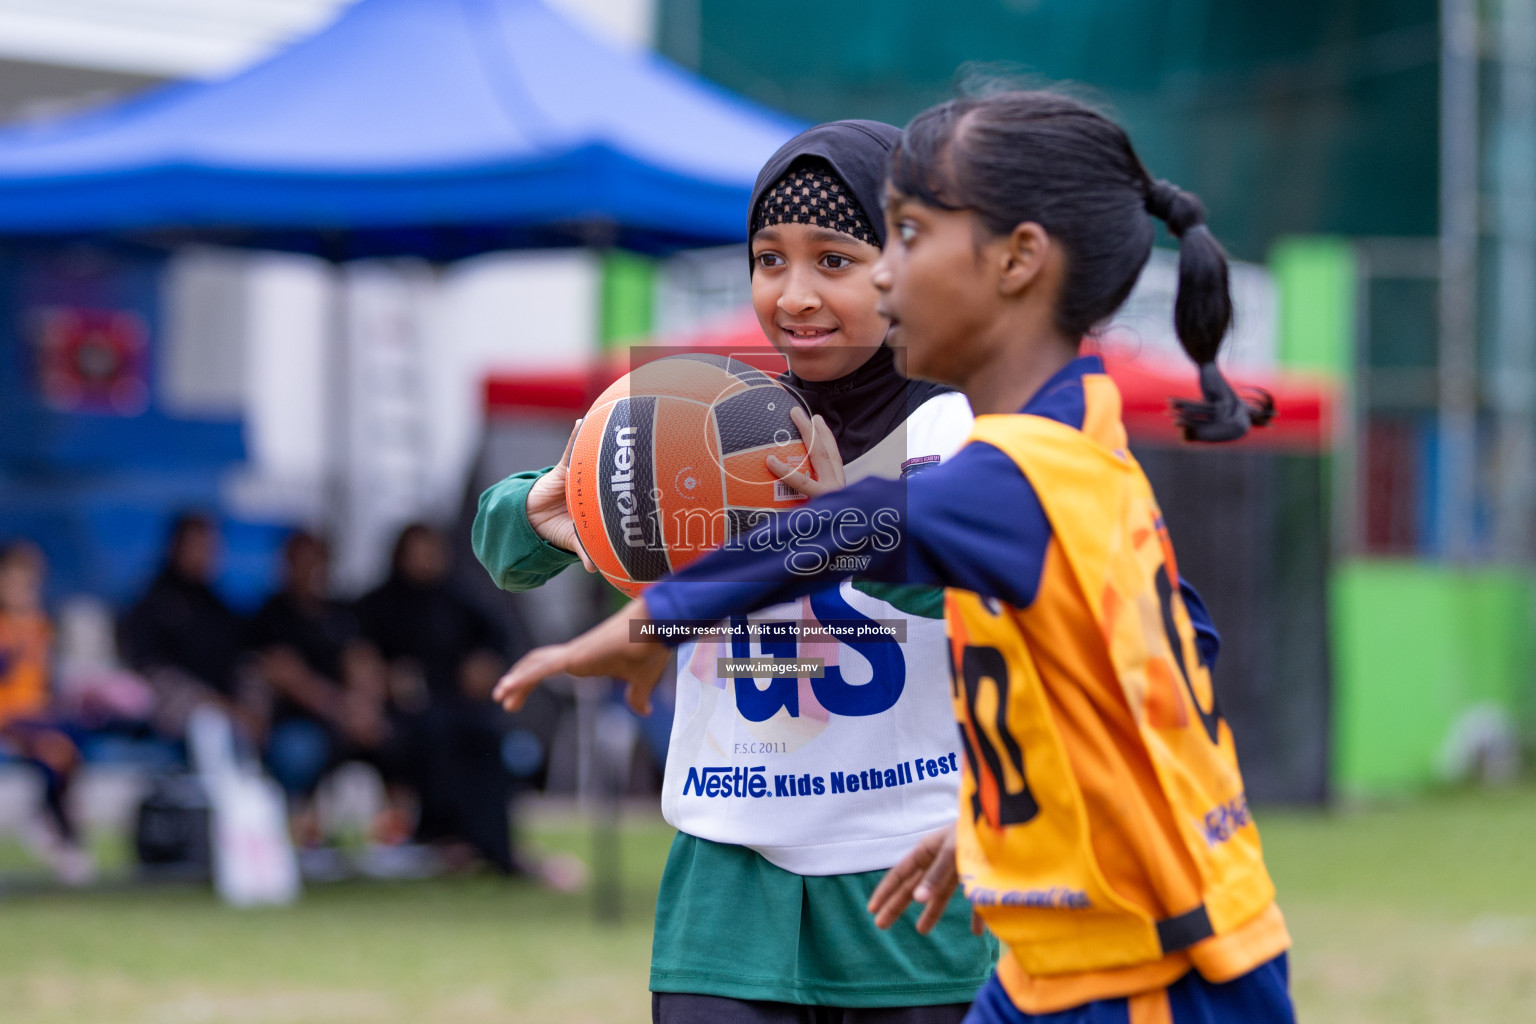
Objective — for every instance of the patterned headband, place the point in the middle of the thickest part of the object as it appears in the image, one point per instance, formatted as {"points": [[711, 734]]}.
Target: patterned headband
{"points": [[812, 193]]}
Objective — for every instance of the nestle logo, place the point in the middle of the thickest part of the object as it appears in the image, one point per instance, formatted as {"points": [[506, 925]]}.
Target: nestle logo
{"points": [[622, 482]]}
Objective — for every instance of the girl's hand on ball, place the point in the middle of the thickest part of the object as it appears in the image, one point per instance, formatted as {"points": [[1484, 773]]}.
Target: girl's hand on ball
{"points": [[547, 512], [604, 650], [821, 453], [927, 875]]}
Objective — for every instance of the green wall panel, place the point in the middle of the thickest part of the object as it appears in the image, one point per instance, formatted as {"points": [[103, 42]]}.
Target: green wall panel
{"points": [[1315, 276], [1415, 647], [1311, 116], [628, 298]]}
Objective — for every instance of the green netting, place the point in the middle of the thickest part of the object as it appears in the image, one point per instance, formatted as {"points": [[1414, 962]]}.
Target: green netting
{"points": [[1324, 108]]}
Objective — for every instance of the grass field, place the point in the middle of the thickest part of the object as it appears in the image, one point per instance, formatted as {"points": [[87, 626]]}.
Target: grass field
{"points": [[1403, 915]]}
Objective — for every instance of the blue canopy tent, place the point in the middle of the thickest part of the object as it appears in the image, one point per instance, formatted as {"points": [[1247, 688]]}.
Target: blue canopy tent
{"points": [[432, 128], [438, 129]]}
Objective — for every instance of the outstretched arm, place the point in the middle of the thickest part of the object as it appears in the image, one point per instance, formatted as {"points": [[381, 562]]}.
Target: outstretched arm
{"points": [[938, 530], [604, 650], [790, 555], [973, 523]]}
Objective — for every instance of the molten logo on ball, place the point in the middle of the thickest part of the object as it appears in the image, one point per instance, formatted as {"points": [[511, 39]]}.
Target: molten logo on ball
{"points": [[624, 486]]}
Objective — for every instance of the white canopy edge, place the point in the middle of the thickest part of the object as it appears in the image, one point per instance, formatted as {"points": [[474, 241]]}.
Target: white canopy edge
{"points": [[213, 38]]}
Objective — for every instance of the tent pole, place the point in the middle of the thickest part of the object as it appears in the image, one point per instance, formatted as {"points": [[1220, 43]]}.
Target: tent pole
{"points": [[1513, 382], [1459, 233], [338, 366], [606, 776]]}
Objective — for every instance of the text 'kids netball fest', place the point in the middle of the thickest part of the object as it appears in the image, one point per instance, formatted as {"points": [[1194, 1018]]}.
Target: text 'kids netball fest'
{"points": [[713, 513]]}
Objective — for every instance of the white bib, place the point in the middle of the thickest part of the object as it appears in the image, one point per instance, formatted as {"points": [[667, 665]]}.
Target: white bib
{"points": [[833, 775]]}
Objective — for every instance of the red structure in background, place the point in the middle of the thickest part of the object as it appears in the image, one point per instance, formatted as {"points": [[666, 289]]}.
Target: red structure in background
{"points": [[1304, 422], [1394, 485]]}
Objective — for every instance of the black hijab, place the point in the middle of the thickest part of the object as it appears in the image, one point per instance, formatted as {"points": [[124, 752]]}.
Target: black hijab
{"points": [[865, 406]]}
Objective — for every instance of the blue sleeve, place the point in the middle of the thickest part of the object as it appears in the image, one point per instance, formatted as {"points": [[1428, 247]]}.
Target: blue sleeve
{"points": [[974, 523], [1206, 637]]}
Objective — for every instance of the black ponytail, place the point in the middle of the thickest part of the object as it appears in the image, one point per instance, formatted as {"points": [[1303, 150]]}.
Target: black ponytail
{"points": [[1202, 315], [1016, 157]]}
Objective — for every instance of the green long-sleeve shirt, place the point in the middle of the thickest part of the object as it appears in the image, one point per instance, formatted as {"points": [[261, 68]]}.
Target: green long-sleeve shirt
{"points": [[517, 558]]}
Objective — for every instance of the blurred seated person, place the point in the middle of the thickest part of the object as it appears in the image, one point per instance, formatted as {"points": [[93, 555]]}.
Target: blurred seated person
{"points": [[185, 640], [444, 656], [91, 687], [28, 729], [327, 684]]}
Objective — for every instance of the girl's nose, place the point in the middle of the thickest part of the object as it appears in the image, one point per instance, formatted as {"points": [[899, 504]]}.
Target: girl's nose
{"points": [[798, 295], [880, 275], [796, 303]]}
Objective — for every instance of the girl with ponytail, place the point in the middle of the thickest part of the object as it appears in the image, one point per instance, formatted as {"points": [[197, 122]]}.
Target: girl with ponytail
{"points": [[1104, 834]]}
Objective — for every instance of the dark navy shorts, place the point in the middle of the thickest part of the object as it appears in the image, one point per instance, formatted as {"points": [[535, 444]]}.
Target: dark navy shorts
{"points": [[1261, 996], [679, 1008]]}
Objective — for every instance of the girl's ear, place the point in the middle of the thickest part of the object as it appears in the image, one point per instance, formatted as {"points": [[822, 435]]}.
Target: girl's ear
{"points": [[1022, 258]]}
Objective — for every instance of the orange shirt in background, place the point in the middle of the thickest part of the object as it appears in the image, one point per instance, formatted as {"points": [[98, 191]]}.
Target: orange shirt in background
{"points": [[24, 645]]}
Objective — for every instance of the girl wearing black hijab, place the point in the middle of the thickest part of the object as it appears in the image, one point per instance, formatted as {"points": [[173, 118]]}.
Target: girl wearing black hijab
{"points": [[762, 912]]}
